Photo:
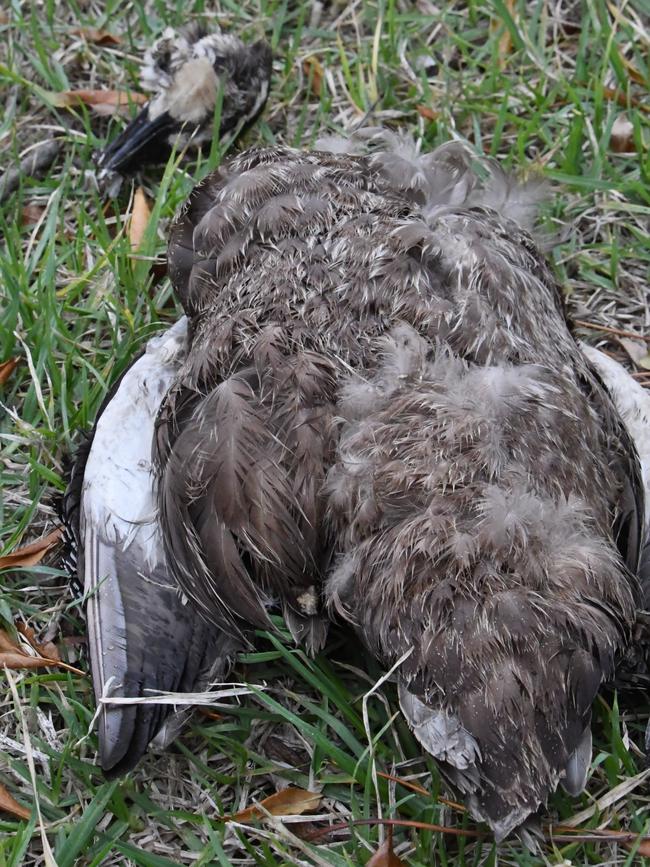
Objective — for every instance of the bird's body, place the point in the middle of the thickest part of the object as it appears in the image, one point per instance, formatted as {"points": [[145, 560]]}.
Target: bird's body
{"points": [[188, 73], [381, 395], [382, 379]]}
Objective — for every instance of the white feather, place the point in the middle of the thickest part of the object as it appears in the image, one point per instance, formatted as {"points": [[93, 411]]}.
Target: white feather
{"points": [[118, 495], [118, 505], [439, 732]]}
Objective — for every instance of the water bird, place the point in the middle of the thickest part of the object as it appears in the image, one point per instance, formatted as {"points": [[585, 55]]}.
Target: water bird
{"points": [[380, 413], [188, 72]]}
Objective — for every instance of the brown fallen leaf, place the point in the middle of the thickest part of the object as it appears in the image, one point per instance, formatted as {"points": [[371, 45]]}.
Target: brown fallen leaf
{"points": [[644, 848], [623, 99], [426, 112], [14, 657], [31, 213], [140, 214], [48, 650], [6, 369], [385, 856], [96, 35], [31, 554], [633, 72], [288, 802], [8, 804], [312, 66], [103, 102], [210, 714], [621, 139]]}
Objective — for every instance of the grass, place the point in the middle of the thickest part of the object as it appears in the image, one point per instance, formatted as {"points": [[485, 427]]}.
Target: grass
{"points": [[537, 83]]}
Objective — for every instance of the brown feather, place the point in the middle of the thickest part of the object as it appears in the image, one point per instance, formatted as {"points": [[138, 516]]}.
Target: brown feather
{"points": [[383, 379]]}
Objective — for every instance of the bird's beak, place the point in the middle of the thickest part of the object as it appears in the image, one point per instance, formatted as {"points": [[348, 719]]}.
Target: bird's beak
{"points": [[144, 140]]}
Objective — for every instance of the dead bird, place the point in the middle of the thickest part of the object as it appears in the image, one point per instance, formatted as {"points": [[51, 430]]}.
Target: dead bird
{"points": [[382, 390], [187, 72]]}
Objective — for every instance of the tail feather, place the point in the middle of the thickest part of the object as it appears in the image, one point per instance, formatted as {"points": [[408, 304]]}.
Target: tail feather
{"points": [[142, 638]]}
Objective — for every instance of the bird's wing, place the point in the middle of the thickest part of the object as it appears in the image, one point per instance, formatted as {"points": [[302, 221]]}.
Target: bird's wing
{"points": [[632, 403], [141, 634], [245, 437]]}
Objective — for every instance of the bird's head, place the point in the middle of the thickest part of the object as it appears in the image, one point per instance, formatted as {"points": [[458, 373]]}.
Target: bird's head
{"points": [[188, 72]]}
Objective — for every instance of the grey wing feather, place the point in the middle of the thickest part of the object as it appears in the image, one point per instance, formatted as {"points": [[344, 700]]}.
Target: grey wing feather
{"points": [[141, 638], [141, 634]]}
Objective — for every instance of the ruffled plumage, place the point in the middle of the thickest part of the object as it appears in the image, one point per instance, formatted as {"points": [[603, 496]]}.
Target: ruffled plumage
{"points": [[471, 479], [382, 397]]}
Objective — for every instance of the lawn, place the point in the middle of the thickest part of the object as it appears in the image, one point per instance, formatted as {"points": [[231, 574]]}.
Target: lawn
{"points": [[561, 85]]}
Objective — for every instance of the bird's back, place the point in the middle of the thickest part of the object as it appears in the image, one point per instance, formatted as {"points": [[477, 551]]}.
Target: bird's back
{"points": [[382, 388]]}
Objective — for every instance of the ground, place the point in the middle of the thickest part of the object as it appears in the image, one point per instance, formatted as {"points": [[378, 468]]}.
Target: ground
{"points": [[558, 85]]}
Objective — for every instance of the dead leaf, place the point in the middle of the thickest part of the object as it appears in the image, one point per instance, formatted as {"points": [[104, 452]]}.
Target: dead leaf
{"points": [[31, 554], [644, 848], [314, 68], [210, 714], [428, 113], [6, 369], [8, 804], [102, 102], [636, 349], [140, 215], [288, 802], [31, 213], [624, 100], [48, 650], [385, 855], [621, 139], [15, 657], [96, 36]]}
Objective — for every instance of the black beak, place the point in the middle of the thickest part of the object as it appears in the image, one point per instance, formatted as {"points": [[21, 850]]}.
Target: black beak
{"points": [[143, 141]]}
